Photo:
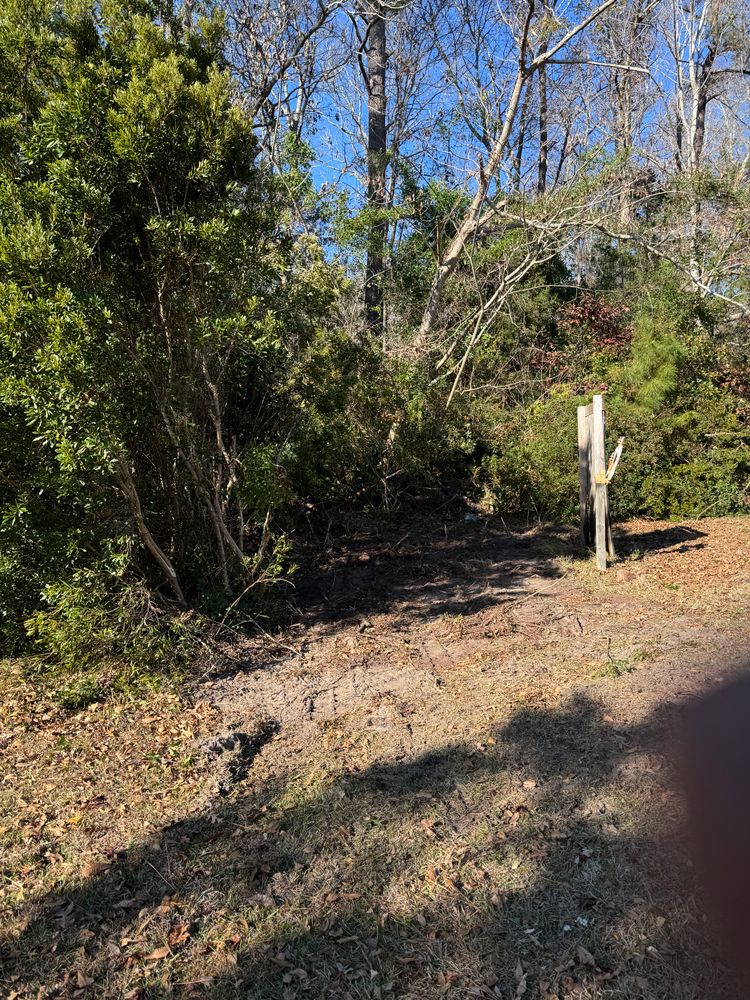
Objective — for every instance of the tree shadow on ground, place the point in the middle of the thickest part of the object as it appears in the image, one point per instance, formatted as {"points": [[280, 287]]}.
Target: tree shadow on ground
{"points": [[456, 568], [477, 870], [679, 538]]}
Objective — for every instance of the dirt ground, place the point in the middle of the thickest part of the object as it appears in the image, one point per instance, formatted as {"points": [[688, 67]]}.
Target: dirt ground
{"points": [[450, 773]]}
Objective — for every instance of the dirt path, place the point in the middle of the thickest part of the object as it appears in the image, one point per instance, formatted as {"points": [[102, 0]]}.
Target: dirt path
{"points": [[422, 643], [451, 774]]}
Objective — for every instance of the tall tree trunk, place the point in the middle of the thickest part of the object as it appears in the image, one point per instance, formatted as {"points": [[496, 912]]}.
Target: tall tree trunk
{"points": [[699, 130], [518, 152], [629, 46], [541, 182], [624, 143], [627, 192], [700, 74], [376, 169]]}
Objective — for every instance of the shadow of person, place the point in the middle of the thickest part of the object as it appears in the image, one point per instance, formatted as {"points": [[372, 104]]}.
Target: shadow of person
{"points": [[717, 779]]}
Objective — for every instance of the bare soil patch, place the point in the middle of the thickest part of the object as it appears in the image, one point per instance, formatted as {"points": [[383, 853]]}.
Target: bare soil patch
{"points": [[450, 773]]}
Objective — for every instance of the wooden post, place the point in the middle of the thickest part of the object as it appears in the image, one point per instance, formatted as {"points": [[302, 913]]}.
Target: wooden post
{"points": [[599, 471], [614, 461], [594, 476], [583, 472], [592, 481]]}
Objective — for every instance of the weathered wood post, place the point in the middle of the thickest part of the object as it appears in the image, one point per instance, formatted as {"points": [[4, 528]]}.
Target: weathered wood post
{"points": [[594, 476], [599, 475], [583, 473]]}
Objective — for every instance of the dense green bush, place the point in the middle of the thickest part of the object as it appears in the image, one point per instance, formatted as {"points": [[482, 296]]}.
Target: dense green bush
{"points": [[102, 632], [686, 450], [534, 470], [152, 303]]}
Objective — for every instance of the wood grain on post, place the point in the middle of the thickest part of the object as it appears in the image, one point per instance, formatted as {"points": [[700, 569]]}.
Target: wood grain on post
{"points": [[599, 470], [583, 471], [590, 520], [607, 518], [610, 540]]}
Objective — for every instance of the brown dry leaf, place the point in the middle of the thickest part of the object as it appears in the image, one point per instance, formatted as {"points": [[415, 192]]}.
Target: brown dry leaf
{"points": [[83, 980], [157, 954], [585, 957], [74, 820], [520, 979], [545, 992], [95, 868], [606, 977], [281, 959], [178, 935], [529, 783], [446, 978], [431, 874]]}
